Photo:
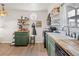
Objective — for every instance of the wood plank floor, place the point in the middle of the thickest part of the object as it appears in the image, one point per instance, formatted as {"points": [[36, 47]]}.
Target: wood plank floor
{"points": [[30, 50]]}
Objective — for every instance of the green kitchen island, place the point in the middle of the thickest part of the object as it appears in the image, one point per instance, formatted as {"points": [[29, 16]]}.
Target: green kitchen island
{"points": [[21, 38]]}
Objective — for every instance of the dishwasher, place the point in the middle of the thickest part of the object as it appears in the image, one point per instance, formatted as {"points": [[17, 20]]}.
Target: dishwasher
{"points": [[59, 51]]}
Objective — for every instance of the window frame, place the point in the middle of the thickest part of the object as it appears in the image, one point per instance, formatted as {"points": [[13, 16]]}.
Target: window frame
{"points": [[74, 17]]}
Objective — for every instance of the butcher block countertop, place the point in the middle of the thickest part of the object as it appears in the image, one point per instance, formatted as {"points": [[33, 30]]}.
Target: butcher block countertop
{"points": [[70, 45]]}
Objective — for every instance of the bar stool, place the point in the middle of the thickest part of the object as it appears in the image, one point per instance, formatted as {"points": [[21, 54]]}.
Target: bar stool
{"points": [[32, 39]]}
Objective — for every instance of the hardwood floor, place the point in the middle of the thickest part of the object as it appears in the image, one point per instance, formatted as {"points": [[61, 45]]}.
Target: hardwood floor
{"points": [[30, 50]]}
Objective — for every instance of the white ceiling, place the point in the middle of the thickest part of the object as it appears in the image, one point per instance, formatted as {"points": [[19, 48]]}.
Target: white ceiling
{"points": [[28, 6], [35, 6], [74, 5]]}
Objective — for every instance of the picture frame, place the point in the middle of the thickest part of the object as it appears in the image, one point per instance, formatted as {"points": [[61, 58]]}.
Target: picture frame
{"points": [[38, 23]]}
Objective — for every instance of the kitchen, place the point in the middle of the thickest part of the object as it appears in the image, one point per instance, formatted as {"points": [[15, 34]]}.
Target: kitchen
{"points": [[63, 40], [56, 26]]}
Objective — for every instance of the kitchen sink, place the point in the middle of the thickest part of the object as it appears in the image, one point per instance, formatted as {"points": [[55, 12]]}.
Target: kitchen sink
{"points": [[63, 36]]}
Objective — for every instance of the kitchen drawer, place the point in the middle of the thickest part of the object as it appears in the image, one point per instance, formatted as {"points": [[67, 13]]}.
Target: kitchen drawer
{"points": [[21, 33]]}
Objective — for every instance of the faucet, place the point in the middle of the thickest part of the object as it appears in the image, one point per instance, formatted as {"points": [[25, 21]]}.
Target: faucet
{"points": [[63, 28], [68, 30], [74, 34]]}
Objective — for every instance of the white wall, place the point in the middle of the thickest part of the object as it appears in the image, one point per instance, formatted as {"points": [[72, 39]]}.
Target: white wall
{"points": [[8, 24]]}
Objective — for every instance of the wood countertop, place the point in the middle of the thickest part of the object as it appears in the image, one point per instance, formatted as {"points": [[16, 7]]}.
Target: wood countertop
{"points": [[71, 46]]}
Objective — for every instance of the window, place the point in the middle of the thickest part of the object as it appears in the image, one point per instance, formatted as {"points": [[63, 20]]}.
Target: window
{"points": [[77, 11], [78, 18], [72, 22], [73, 18], [71, 13], [77, 22]]}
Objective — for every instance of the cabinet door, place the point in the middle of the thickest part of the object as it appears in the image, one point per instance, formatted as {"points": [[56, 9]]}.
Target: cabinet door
{"points": [[46, 41], [20, 40], [51, 46], [52, 49], [22, 34]]}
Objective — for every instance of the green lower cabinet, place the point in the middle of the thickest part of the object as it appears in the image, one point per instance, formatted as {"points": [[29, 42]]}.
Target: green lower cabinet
{"points": [[46, 41], [49, 49], [52, 50], [20, 41], [21, 38], [51, 46]]}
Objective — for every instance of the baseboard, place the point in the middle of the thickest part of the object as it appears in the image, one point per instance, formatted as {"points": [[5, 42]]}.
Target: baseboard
{"points": [[39, 42], [5, 41]]}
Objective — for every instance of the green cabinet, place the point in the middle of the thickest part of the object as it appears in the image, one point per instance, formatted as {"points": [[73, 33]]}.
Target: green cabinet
{"points": [[52, 49], [21, 38], [50, 45], [49, 48], [46, 41]]}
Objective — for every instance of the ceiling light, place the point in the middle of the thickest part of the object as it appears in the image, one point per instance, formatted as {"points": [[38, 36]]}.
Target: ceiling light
{"points": [[2, 10], [33, 16]]}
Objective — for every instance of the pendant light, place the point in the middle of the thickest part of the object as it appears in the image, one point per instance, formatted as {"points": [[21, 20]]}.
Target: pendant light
{"points": [[2, 10]]}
